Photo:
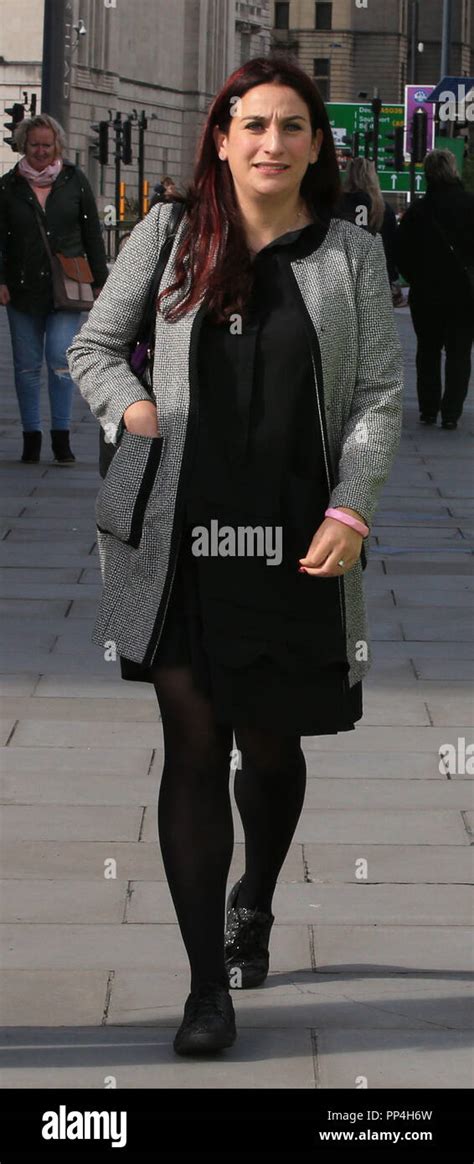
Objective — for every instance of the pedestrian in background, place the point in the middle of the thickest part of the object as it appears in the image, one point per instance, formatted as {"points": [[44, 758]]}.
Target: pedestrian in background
{"points": [[275, 327], [362, 178], [435, 248], [44, 193], [163, 191]]}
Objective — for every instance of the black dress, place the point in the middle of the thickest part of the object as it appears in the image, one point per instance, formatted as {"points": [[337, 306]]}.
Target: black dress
{"points": [[265, 643]]}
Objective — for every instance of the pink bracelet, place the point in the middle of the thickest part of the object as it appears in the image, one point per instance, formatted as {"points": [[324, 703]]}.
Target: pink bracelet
{"points": [[348, 519]]}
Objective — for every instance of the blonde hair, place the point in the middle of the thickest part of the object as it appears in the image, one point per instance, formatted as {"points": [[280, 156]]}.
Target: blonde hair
{"points": [[41, 121], [362, 175]]}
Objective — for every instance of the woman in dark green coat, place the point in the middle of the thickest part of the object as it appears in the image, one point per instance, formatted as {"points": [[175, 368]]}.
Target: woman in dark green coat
{"points": [[44, 187]]}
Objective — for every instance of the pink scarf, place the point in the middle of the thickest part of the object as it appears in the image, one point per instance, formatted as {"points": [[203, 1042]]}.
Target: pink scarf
{"points": [[40, 178]]}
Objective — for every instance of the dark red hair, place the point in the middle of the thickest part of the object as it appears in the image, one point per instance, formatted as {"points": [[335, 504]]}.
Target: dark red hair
{"points": [[219, 264]]}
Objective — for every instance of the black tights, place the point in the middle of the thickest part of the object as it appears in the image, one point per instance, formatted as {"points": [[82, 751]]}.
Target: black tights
{"points": [[195, 818]]}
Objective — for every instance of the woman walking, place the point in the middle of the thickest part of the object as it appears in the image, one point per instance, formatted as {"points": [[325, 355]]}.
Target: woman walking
{"points": [[362, 179], [44, 197], [435, 250], [233, 515]]}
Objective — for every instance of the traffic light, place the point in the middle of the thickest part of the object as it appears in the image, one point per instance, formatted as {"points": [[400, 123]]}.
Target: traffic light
{"points": [[396, 155], [17, 113], [101, 146], [127, 143], [368, 142], [353, 141], [122, 190], [145, 197], [419, 135]]}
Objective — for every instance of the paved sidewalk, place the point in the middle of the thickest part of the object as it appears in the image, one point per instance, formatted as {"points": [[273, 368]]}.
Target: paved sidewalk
{"points": [[369, 976]]}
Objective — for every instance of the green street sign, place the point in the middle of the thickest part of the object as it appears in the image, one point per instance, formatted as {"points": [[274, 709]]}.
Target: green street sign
{"points": [[349, 117], [398, 182]]}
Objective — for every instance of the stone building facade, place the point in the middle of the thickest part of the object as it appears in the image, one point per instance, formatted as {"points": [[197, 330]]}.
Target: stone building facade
{"points": [[357, 46], [168, 59]]}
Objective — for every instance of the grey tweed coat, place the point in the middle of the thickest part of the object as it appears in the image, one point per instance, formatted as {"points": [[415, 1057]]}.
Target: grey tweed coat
{"points": [[139, 508]]}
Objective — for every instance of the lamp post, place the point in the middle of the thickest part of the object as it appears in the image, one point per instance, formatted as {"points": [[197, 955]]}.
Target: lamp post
{"points": [[414, 14]]}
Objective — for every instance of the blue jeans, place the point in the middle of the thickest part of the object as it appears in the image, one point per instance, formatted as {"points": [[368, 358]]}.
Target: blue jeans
{"points": [[32, 337]]}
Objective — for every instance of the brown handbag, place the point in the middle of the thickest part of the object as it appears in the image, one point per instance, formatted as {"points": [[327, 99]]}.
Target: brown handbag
{"points": [[72, 278]]}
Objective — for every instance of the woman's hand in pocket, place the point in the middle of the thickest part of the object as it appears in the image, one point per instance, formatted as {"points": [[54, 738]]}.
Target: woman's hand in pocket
{"points": [[141, 418]]}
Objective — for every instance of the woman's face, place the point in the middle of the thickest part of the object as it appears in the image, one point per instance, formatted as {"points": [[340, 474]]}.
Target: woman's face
{"points": [[40, 147], [269, 143]]}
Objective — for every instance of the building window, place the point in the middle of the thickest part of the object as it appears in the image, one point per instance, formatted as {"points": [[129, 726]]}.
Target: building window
{"points": [[322, 74], [323, 16], [282, 15]]}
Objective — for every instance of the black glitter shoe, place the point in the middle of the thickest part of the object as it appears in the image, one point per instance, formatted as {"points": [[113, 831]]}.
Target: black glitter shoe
{"points": [[246, 943], [208, 1023]]}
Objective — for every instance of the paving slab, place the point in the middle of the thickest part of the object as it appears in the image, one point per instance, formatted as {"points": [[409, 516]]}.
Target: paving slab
{"points": [[141, 1058], [434, 951], [453, 670], [81, 708], [138, 946], [76, 761], [329, 864], [33, 591], [62, 823], [431, 1060], [52, 556], [45, 860], [383, 765], [91, 788], [389, 794], [43, 575], [377, 739], [356, 904], [36, 902], [38, 608], [306, 1000], [71, 686], [426, 827], [55, 998], [460, 564], [75, 540], [6, 729], [86, 662], [407, 535], [62, 734], [394, 706], [18, 684]]}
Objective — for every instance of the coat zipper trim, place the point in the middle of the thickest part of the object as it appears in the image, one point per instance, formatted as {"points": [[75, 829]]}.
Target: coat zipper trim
{"points": [[319, 385], [177, 531]]}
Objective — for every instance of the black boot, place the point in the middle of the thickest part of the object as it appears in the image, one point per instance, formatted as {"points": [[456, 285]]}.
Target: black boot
{"points": [[208, 1023], [246, 940], [60, 446], [31, 446]]}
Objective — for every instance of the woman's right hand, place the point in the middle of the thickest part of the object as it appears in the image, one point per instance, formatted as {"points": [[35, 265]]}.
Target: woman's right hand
{"points": [[141, 418], [4, 294]]}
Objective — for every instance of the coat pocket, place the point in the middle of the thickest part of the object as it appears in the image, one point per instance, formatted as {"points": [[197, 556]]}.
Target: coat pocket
{"points": [[124, 494]]}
